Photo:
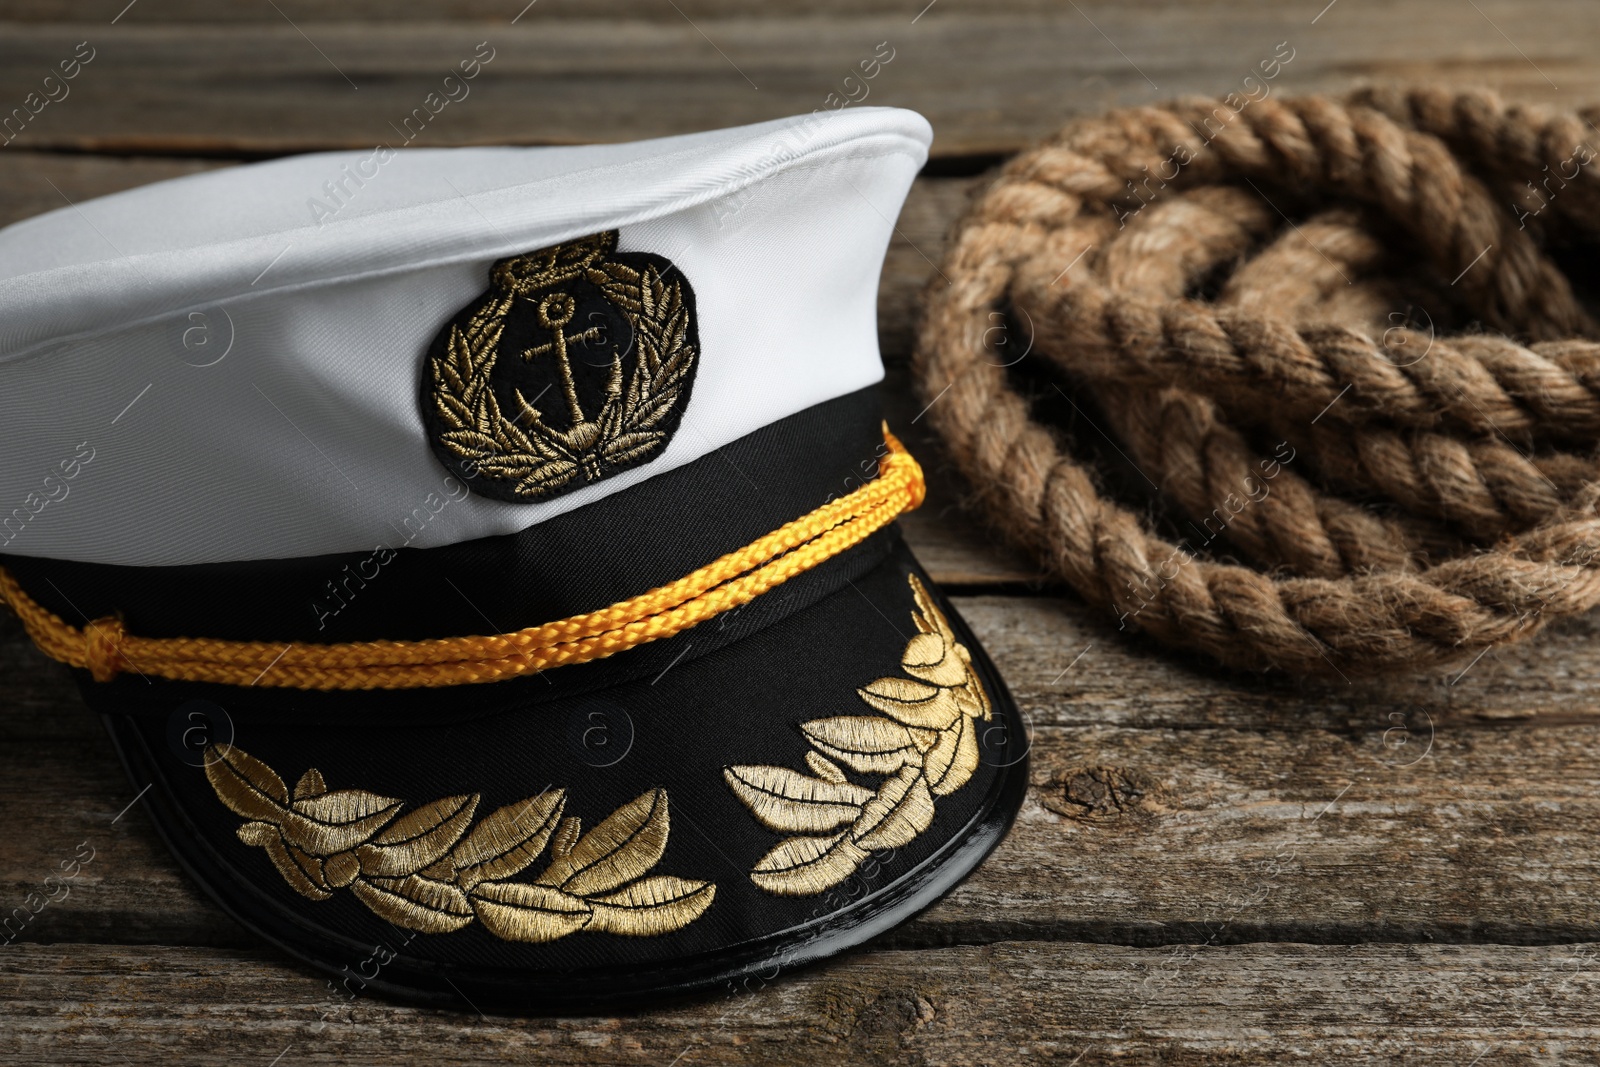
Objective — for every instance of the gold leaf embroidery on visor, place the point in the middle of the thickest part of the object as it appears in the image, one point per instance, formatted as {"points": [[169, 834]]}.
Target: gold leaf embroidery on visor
{"points": [[426, 870], [926, 747]]}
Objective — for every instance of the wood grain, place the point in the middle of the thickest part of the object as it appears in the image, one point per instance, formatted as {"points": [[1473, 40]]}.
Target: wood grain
{"points": [[101, 12], [33, 183], [989, 80], [1003, 1003], [1209, 867]]}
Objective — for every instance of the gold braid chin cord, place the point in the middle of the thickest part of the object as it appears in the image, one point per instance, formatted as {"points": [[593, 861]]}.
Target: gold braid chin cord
{"points": [[1388, 407]]}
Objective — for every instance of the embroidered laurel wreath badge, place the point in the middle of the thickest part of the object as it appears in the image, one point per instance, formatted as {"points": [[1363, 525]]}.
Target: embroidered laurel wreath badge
{"points": [[436, 871], [927, 746], [577, 363]]}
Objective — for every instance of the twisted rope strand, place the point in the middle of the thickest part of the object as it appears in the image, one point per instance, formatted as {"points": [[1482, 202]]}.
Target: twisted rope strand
{"points": [[1489, 532]]}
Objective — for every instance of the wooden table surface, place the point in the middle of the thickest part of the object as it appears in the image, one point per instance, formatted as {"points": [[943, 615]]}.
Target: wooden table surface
{"points": [[1208, 867]]}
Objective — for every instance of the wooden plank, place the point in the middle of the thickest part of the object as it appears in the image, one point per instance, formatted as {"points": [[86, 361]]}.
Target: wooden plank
{"points": [[1010, 1002], [32, 183], [954, 546], [1124, 679], [1173, 805], [1168, 805], [101, 12], [990, 81]]}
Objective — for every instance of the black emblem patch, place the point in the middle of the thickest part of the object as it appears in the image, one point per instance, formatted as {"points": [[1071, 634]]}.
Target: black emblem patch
{"points": [[577, 363]]}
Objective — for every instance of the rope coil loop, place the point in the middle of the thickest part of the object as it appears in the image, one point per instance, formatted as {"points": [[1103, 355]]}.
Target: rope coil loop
{"points": [[1331, 333]]}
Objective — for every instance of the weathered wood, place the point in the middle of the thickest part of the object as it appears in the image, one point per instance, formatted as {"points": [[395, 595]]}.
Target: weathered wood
{"points": [[1004, 1003], [101, 12], [989, 81], [1126, 680], [32, 183], [1173, 804]]}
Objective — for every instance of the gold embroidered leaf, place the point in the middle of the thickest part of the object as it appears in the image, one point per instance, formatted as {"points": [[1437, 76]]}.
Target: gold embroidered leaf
{"points": [[501, 467], [559, 468], [311, 865], [620, 282], [310, 785], [246, 785], [902, 809], [428, 892], [472, 352], [626, 446], [801, 866], [508, 437], [337, 821], [515, 911], [543, 444], [566, 836], [973, 699], [932, 659], [342, 807], [526, 412], [294, 874], [415, 902], [456, 371], [927, 617], [506, 841], [541, 480], [913, 703], [418, 838], [823, 767], [340, 870], [864, 743], [610, 417], [427, 820], [468, 443], [298, 877], [924, 739], [451, 411], [791, 802], [928, 746], [625, 846], [950, 763], [426, 871], [651, 906]]}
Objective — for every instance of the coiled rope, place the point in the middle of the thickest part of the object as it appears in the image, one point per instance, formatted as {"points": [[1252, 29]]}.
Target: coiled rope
{"points": [[1331, 332]]}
